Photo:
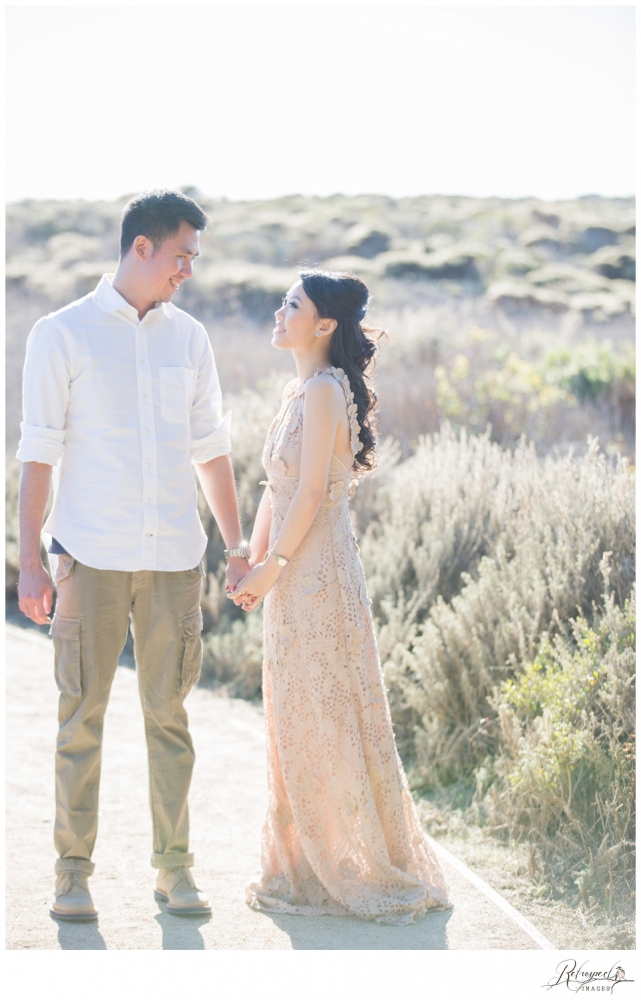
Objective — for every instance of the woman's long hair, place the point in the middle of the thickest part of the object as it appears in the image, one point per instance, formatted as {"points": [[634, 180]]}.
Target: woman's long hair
{"points": [[344, 297]]}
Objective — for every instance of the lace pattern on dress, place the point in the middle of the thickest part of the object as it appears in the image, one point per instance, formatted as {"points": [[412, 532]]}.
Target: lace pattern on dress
{"points": [[342, 835]]}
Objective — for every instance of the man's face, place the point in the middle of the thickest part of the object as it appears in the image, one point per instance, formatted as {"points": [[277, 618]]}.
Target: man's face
{"points": [[172, 262]]}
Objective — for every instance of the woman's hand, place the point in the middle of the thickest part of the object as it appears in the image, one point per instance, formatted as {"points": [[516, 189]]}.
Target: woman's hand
{"points": [[258, 582]]}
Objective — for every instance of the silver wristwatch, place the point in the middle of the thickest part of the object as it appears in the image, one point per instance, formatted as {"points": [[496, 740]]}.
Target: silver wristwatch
{"points": [[243, 550], [281, 560]]}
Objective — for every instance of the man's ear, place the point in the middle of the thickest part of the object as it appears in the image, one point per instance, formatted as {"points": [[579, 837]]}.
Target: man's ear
{"points": [[142, 247]]}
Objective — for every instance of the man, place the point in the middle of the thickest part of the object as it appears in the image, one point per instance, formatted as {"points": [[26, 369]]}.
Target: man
{"points": [[121, 397]]}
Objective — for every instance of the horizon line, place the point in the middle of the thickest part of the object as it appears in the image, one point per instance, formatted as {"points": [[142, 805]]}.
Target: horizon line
{"points": [[197, 193]]}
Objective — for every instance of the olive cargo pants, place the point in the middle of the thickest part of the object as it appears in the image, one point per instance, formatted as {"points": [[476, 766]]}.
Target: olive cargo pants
{"points": [[89, 631]]}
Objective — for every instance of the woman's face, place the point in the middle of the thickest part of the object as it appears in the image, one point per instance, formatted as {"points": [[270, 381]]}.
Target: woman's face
{"points": [[296, 321]]}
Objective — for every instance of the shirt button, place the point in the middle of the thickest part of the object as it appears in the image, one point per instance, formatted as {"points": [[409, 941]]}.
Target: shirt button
{"points": [[149, 534], [144, 395], [149, 465]]}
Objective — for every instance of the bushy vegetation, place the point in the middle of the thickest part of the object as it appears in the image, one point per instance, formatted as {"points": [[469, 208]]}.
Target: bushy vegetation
{"points": [[496, 285], [564, 776], [475, 553], [498, 532]]}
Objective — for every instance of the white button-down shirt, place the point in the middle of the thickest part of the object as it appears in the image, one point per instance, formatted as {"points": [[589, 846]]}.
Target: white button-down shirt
{"points": [[122, 407]]}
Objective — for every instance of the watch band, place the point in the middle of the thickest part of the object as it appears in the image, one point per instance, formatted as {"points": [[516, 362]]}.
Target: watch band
{"points": [[243, 550], [281, 560]]}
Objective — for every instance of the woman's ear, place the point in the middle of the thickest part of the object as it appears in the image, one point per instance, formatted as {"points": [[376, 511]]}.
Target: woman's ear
{"points": [[327, 326]]}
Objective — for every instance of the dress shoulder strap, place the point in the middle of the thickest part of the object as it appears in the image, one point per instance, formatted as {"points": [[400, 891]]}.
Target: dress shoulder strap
{"points": [[352, 409]]}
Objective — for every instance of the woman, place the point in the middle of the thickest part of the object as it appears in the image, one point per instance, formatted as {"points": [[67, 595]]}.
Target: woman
{"points": [[342, 835]]}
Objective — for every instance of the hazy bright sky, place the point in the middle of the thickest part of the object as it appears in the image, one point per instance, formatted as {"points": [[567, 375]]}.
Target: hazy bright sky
{"points": [[260, 101]]}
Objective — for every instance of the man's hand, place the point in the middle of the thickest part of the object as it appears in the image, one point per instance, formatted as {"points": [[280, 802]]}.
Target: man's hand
{"points": [[237, 568], [35, 593]]}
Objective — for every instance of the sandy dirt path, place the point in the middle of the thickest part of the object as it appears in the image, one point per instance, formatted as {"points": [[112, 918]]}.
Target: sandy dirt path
{"points": [[228, 801]]}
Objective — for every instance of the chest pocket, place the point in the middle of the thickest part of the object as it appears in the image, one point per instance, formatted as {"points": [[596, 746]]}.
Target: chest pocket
{"points": [[177, 386]]}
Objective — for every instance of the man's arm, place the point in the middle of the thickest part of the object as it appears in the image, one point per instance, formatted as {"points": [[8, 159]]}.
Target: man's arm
{"points": [[35, 591], [217, 481]]}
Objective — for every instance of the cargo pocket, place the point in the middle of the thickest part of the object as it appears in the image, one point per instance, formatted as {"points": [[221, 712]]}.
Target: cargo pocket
{"points": [[66, 643], [192, 652]]}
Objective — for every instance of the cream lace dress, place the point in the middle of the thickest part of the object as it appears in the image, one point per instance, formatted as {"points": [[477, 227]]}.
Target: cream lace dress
{"points": [[342, 835]]}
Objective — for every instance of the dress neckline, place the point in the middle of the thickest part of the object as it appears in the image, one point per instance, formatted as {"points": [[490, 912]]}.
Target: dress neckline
{"points": [[318, 371]]}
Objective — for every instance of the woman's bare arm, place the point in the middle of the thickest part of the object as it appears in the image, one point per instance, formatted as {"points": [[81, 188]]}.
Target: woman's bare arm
{"points": [[262, 525], [324, 403], [324, 406]]}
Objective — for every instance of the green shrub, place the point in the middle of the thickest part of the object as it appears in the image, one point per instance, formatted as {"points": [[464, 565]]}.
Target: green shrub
{"points": [[564, 771], [549, 399], [592, 371]]}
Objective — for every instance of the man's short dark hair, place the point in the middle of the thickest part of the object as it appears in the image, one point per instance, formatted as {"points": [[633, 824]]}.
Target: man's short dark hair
{"points": [[157, 215]]}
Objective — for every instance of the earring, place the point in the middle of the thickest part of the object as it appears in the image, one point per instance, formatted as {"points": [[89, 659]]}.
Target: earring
{"points": [[318, 333]]}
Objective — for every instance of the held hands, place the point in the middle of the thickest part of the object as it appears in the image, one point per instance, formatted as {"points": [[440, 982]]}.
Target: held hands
{"points": [[237, 568], [258, 582], [35, 593]]}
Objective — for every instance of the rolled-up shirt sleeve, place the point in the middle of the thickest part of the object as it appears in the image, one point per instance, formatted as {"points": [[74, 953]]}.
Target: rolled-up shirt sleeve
{"points": [[210, 431], [45, 394]]}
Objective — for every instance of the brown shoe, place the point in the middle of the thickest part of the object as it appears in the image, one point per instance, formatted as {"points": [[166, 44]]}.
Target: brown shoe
{"points": [[176, 888], [72, 898]]}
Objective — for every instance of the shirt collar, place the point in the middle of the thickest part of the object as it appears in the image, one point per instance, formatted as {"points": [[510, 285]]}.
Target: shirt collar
{"points": [[112, 301]]}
